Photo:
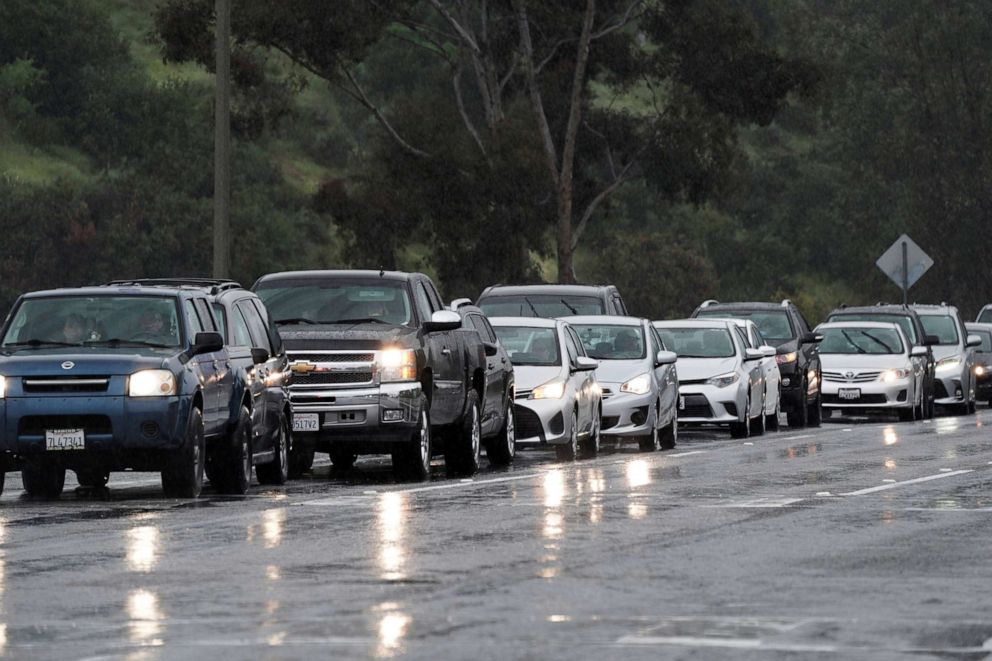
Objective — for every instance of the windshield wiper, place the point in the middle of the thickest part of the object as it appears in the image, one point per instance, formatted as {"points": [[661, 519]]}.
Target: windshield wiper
{"points": [[360, 320], [294, 320], [531, 306], [116, 342], [851, 341], [877, 341], [43, 343], [570, 308]]}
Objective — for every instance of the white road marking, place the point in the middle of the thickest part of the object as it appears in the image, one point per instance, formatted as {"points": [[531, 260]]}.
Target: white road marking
{"points": [[796, 438], [945, 470], [686, 454], [823, 493], [727, 643], [763, 502], [886, 487]]}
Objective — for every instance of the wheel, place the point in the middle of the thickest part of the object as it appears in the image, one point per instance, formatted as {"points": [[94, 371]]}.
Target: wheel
{"points": [[277, 470], [463, 452], [771, 422], [568, 451], [183, 477], [94, 478], [589, 447], [341, 459], [234, 457], [758, 424], [650, 443], [742, 429], [413, 460], [670, 435], [502, 448], [800, 416], [43, 479], [815, 415]]}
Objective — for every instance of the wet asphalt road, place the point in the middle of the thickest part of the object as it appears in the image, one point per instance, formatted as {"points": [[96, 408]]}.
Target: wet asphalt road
{"points": [[861, 539]]}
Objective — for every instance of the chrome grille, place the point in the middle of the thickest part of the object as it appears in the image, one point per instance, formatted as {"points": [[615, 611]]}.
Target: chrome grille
{"points": [[327, 357], [323, 369], [855, 377]]}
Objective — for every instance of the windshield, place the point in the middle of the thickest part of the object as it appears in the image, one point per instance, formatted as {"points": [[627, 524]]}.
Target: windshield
{"points": [[985, 316], [313, 301], [942, 326], [774, 325], [986, 346], [547, 306], [905, 323], [612, 342], [529, 346], [95, 320], [698, 342], [860, 340]]}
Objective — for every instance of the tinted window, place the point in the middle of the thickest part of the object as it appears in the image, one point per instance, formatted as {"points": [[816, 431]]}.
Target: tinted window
{"points": [[860, 340], [530, 346], [242, 337], [942, 326], [611, 342], [742, 336], [220, 319], [577, 342], [775, 325], [337, 301], [540, 305], [206, 316], [905, 322], [698, 342], [478, 324], [259, 334], [195, 325], [274, 338]]}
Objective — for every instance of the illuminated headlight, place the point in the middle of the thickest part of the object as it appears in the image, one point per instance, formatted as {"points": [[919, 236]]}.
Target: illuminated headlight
{"points": [[948, 363], [397, 365], [979, 370], [891, 376], [550, 390], [639, 385], [785, 358], [152, 383], [3, 387], [724, 380]]}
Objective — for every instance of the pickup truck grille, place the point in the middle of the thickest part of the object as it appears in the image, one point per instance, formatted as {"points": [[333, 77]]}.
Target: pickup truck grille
{"points": [[332, 378], [323, 369], [343, 357]]}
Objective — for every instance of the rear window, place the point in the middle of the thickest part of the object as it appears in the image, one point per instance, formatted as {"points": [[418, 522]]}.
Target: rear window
{"points": [[698, 342], [611, 342], [905, 323], [942, 326], [540, 305], [860, 341], [775, 325]]}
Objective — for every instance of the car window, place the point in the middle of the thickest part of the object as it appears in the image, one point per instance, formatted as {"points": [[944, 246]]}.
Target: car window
{"points": [[259, 334], [985, 316], [548, 306], [942, 326], [490, 333], [530, 346], [658, 339], [479, 324], [425, 301], [195, 325], [274, 338], [337, 300], [611, 342], [699, 342], [578, 343], [206, 316], [242, 337], [986, 336], [220, 319], [905, 322], [860, 341], [759, 340], [435, 298], [775, 325], [742, 336]]}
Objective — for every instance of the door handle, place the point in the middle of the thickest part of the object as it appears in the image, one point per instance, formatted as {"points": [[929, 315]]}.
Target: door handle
{"points": [[446, 351]]}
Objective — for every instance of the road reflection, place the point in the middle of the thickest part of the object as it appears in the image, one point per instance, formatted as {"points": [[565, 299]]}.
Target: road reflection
{"points": [[638, 474], [553, 523], [145, 618], [142, 548], [889, 436], [596, 484], [391, 630], [272, 526], [391, 515]]}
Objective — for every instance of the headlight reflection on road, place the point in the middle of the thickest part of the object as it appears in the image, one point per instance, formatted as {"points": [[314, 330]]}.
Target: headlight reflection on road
{"points": [[890, 464], [638, 475], [946, 425], [391, 630], [391, 516], [272, 526], [142, 548], [889, 436], [596, 485], [553, 524], [554, 488], [146, 618]]}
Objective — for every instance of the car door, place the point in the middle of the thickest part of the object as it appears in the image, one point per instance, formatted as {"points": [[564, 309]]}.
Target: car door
{"points": [[226, 378], [582, 380], [204, 365], [446, 357], [240, 345], [668, 379], [752, 369], [769, 367], [493, 406]]}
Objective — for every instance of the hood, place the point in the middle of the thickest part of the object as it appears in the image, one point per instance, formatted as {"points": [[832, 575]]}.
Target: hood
{"points": [[945, 350], [839, 362], [620, 371], [528, 377], [699, 369], [345, 336], [102, 362]]}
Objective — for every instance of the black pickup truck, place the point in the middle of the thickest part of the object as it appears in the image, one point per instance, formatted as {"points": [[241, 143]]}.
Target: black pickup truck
{"points": [[379, 367]]}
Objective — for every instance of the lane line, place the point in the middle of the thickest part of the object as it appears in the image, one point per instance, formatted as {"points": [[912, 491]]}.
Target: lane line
{"points": [[894, 485], [727, 643], [762, 502], [686, 454]]}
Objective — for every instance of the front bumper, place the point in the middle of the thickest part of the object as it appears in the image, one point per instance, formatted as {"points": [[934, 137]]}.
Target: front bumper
{"points": [[873, 395], [368, 419], [626, 414], [706, 404], [793, 395], [983, 386], [540, 421], [948, 389]]}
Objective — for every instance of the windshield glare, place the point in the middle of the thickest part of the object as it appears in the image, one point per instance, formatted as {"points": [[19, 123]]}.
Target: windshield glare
{"points": [[698, 342], [612, 342], [334, 302], [529, 346], [774, 325], [860, 341], [905, 323], [546, 306], [942, 326], [82, 320]]}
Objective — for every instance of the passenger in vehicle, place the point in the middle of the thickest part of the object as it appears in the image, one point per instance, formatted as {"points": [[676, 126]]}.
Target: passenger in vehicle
{"points": [[73, 329], [543, 350], [626, 345], [152, 328]]}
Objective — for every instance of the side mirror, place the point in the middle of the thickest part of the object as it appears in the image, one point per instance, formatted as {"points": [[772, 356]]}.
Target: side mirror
{"points": [[206, 343], [810, 338], [491, 349], [768, 351], [665, 358], [259, 355], [931, 340], [583, 364], [919, 352], [753, 354], [443, 320], [974, 341]]}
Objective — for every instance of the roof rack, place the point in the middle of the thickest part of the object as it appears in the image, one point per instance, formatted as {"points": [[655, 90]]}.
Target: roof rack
{"points": [[708, 302], [216, 285], [459, 302]]}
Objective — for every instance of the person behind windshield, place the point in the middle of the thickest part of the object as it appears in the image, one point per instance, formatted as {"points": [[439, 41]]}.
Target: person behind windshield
{"points": [[152, 328], [626, 344], [73, 329]]}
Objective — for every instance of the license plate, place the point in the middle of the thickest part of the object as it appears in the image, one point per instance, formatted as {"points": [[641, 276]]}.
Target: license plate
{"points": [[65, 439], [849, 393], [681, 402], [306, 422]]}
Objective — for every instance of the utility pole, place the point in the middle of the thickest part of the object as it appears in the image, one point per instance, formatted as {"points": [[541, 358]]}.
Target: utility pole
{"points": [[222, 142]]}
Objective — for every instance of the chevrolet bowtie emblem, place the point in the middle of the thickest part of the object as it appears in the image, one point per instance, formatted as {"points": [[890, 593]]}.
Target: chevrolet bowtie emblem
{"points": [[302, 368]]}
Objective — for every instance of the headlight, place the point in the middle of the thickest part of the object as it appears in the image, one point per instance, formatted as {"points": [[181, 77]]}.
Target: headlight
{"points": [[979, 371], [550, 390], [724, 380], [785, 358], [397, 365], [948, 363], [152, 383], [639, 385], [891, 376], [3, 387]]}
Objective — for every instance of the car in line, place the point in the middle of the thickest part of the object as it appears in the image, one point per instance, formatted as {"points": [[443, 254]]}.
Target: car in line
{"points": [[720, 379], [783, 326], [557, 399], [378, 367], [912, 328], [122, 377], [870, 365], [769, 367], [954, 352], [983, 361], [638, 379], [551, 301], [984, 315]]}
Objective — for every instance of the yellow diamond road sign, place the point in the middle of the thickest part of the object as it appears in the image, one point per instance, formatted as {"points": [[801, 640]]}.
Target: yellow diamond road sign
{"points": [[916, 262]]}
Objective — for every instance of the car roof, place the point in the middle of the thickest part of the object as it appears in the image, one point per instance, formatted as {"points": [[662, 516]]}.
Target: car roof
{"points": [[604, 320], [527, 322], [742, 305], [716, 322], [341, 273], [883, 308], [860, 324], [109, 290], [930, 309], [564, 290], [743, 323]]}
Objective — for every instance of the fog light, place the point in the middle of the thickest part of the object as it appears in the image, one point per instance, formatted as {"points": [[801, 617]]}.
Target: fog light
{"points": [[392, 415], [958, 393], [785, 382]]}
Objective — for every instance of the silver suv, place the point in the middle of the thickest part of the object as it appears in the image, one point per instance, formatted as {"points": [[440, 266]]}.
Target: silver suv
{"points": [[954, 352]]}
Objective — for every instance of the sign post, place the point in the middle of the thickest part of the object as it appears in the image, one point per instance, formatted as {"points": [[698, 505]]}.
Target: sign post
{"points": [[905, 263]]}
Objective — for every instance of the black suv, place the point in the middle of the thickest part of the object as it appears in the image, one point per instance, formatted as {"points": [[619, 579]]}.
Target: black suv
{"points": [[783, 327], [551, 301], [911, 325], [497, 410], [378, 368]]}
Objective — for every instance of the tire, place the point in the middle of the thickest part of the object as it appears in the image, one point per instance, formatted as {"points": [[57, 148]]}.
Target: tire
{"points": [[463, 452], [300, 460], [800, 417], [650, 443], [669, 436], [234, 457], [94, 478], [742, 429], [815, 414], [502, 448], [758, 424], [3, 479], [42, 479], [772, 421], [183, 477], [277, 470], [413, 460], [589, 447], [569, 451], [341, 459]]}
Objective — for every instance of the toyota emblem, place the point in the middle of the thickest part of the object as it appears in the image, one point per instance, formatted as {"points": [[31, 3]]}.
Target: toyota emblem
{"points": [[68, 365], [849, 375]]}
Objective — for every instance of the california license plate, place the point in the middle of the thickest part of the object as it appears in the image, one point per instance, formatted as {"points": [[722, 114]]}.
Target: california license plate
{"points": [[306, 422], [849, 393], [65, 439]]}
